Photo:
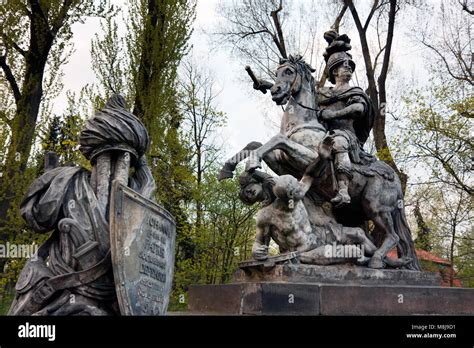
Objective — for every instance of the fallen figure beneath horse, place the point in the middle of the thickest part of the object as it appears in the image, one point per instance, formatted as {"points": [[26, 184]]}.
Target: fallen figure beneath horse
{"points": [[360, 187], [284, 219]]}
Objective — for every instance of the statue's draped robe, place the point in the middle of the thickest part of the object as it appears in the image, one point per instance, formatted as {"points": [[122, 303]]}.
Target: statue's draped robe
{"points": [[63, 201], [362, 125], [59, 195], [65, 193]]}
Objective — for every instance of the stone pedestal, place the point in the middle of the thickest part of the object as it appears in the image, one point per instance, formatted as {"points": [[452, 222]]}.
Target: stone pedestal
{"points": [[330, 290]]}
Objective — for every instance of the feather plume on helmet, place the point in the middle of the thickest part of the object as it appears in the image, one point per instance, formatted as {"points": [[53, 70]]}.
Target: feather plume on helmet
{"points": [[336, 52]]}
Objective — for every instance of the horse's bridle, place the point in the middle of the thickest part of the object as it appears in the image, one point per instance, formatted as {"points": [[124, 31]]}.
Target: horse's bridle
{"points": [[290, 93]]}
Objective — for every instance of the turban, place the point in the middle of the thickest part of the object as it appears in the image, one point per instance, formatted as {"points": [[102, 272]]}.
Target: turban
{"points": [[114, 128]]}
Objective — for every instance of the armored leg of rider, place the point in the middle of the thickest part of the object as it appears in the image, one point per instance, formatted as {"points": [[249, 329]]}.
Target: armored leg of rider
{"points": [[343, 174]]}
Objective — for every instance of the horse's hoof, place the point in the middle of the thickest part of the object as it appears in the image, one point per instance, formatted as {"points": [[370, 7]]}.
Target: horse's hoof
{"points": [[397, 263], [251, 165], [376, 263], [225, 174]]}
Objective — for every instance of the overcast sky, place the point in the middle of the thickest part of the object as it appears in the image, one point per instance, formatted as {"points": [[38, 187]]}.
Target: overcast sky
{"points": [[245, 108]]}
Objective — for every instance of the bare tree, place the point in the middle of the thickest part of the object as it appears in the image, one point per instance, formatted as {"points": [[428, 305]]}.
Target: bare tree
{"points": [[451, 43], [465, 7], [377, 78], [255, 31], [198, 103], [262, 32]]}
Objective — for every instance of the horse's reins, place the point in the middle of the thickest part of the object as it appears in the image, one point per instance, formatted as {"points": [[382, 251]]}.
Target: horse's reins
{"points": [[290, 95], [303, 106]]}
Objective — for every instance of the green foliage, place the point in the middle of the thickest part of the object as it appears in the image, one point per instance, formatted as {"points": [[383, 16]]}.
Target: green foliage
{"points": [[446, 229], [62, 135], [36, 42], [224, 238], [384, 154], [465, 259], [423, 241], [438, 133], [437, 143], [5, 301], [214, 229]]}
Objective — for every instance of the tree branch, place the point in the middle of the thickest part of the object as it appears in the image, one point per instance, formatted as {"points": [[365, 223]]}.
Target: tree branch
{"points": [[337, 21], [36, 8], [355, 15], [13, 44], [434, 49], [369, 18], [244, 35], [377, 56], [279, 41], [62, 16], [10, 77], [465, 8], [4, 118], [388, 44], [365, 47]]}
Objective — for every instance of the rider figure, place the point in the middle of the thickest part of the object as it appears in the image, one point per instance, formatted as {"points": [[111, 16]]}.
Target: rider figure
{"points": [[348, 115]]}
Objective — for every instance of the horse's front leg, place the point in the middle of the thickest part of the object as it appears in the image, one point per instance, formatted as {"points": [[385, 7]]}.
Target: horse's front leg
{"points": [[385, 223], [297, 152], [227, 171]]}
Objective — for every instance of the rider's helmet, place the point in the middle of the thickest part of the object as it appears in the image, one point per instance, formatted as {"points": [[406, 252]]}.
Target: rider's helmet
{"points": [[336, 52], [335, 60]]}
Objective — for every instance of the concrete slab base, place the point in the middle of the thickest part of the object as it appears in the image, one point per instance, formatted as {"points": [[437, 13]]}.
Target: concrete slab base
{"points": [[280, 298]]}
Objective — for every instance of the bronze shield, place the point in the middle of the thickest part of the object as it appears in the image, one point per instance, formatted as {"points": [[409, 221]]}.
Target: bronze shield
{"points": [[142, 238]]}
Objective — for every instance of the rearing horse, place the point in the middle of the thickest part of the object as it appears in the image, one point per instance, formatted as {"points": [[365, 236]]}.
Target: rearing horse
{"points": [[375, 189], [296, 146]]}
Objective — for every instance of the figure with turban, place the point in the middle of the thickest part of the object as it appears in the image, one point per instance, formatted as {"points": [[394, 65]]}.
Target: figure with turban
{"points": [[71, 273]]}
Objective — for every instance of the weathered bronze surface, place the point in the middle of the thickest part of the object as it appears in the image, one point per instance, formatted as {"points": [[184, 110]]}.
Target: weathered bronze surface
{"points": [[328, 188], [142, 236], [72, 273]]}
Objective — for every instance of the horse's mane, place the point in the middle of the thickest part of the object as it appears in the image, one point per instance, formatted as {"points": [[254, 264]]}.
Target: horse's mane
{"points": [[303, 68]]}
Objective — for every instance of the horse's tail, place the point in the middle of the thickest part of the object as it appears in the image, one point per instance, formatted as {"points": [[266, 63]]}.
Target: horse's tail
{"points": [[405, 246]]}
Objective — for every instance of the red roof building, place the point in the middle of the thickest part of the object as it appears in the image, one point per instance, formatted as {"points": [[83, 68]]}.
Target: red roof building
{"points": [[432, 263]]}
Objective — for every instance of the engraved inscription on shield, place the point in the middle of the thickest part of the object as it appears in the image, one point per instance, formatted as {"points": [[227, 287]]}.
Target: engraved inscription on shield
{"points": [[142, 238]]}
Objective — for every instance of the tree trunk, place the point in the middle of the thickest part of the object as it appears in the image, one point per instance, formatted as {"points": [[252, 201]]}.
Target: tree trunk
{"points": [[28, 102], [199, 198], [378, 97], [451, 256]]}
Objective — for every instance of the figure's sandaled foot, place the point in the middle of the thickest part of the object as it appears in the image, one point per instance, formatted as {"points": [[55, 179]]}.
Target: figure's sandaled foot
{"points": [[227, 172], [376, 262]]}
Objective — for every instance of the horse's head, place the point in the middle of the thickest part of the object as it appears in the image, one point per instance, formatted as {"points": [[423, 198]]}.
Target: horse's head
{"points": [[291, 75]]}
